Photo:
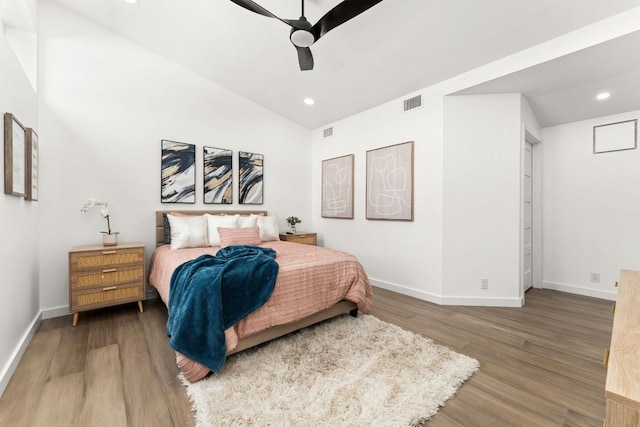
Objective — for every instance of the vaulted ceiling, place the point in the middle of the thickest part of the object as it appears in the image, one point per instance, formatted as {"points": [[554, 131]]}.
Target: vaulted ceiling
{"points": [[395, 48]]}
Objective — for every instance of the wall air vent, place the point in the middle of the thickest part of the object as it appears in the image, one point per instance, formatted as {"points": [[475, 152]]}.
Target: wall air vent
{"points": [[327, 132], [413, 103]]}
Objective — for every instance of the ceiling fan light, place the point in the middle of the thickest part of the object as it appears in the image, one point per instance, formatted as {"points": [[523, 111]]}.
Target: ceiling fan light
{"points": [[302, 38]]}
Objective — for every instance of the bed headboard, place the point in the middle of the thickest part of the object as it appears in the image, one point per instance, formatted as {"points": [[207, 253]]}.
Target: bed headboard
{"points": [[160, 219]]}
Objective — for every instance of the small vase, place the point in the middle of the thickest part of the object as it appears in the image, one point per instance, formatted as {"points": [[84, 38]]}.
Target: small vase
{"points": [[109, 239], [293, 229]]}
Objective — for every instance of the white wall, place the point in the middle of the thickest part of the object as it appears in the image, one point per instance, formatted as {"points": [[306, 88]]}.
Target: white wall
{"points": [[105, 104], [398, 255], [482, 183], [19, 221], [591, 206]]}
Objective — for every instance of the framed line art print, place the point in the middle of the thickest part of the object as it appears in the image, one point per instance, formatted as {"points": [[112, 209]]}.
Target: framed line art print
{"points": [[217, 175], [251, 178], [31, 186], [15, 140], [389, 192], [178, 176], [337, 187]]}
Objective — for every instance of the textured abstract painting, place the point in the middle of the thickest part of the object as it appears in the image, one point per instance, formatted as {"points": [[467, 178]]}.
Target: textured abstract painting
{"points": [[390, 182], [337, 187], [178, 181], [250, 174], [218, 175]]}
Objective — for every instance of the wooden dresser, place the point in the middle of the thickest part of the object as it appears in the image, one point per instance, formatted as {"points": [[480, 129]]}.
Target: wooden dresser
{"points": [[623, 373], [300, 237], [101, 276]]}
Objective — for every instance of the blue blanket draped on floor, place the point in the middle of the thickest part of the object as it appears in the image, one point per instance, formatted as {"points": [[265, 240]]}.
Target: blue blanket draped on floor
{"points": [[212, 293]]}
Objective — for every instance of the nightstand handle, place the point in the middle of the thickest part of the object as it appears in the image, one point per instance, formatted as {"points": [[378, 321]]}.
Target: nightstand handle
{"points": [[109, 270], [110, 288], [108, 252]]}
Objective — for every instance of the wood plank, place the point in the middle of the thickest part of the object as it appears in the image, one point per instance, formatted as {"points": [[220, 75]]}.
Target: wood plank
{"points": [[143, 394], [104, 403], [61, 402], [21, 397]]}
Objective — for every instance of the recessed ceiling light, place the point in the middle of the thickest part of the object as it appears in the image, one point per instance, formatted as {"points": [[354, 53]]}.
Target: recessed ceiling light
{"points": [[309, 101], [132, 1], [602, 96]]}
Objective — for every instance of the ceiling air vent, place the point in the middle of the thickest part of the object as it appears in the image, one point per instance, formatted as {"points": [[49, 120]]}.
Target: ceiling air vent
{"points": [[413, 103], [327, 132]]}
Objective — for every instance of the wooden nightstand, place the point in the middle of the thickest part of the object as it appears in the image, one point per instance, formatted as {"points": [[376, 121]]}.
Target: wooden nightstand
{"points": [[300, 237], [102, 276]]}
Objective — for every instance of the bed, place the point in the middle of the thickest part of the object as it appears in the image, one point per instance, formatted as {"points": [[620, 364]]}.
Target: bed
{"points": [[313, 284]]}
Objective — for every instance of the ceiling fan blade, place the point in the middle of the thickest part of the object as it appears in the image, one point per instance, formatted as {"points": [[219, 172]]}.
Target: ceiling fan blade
{"points": [[255, 7], [305, 58], [340, 14]]}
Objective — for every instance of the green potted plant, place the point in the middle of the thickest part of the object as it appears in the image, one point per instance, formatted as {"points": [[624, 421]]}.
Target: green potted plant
{"points": [[292, 221]]}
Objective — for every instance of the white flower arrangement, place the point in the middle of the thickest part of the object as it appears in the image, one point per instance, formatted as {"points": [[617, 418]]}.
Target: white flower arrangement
{"points": [[104, 211]]}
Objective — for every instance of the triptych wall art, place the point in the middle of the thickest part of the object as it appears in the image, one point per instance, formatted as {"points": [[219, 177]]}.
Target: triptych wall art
{"points": [[218, 175], [178, 176], [20, 159], [178, 172], [389, 184], [250, 178]]}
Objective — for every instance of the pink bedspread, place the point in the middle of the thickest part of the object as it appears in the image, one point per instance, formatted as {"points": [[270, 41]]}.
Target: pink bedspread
{"points": [[310, 279]]}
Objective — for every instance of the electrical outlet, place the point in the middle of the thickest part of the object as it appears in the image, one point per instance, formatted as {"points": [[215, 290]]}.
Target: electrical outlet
{"points": [[484, 283], [595, 277]]}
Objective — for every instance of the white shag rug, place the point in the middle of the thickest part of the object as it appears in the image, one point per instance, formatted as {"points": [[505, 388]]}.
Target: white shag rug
{"points": [[343, 372]]}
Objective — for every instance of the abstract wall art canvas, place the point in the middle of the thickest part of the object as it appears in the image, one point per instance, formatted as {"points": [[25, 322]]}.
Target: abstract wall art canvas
{"points": [[251, 178], [15, 139], [31, 189], [337, 187], [178, 183], [390, 182], [217, 175]]}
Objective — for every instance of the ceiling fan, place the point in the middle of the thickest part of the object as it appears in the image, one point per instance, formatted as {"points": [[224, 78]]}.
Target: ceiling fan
{"points": [[303, 34]]}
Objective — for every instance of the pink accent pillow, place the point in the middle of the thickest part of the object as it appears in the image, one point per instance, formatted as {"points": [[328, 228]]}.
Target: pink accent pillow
{"points": [[239, 236]]}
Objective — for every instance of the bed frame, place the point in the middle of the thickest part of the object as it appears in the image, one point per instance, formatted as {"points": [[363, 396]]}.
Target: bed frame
{"points": [[276, 331]]}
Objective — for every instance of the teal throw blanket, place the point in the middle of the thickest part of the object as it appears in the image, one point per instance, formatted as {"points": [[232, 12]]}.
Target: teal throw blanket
{"points": [[212, 293]]}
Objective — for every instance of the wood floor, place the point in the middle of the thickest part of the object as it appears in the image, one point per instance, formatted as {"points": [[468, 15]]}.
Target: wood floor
{"points": [[540, 365]]}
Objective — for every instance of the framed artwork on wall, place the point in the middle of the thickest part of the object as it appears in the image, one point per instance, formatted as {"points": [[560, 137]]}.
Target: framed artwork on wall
{"points": [[337, 187], [15, 140], [31, 187], [217, 175], [390, 182], [251, 178], [178, 177], [618, 136]]}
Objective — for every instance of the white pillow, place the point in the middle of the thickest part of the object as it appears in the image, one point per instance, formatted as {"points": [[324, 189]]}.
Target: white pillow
{"points": [[268, 226], [247, 221], [188, 231], [215, 221]]}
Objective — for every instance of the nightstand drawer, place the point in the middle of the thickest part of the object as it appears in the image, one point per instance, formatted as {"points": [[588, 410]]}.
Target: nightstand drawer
{"points": [[106, 277], [304, 238], [307, 239], [109, 295], [106, 258]]}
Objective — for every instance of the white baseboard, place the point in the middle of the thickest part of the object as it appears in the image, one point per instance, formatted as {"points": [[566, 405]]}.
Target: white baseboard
{"points": [[580, 290], [51, 313], [10, 367], [449, 300]]}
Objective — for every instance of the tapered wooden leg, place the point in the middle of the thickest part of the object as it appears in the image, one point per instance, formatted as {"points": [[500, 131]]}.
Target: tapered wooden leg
{"points": [[75, 318], [140, 306]]}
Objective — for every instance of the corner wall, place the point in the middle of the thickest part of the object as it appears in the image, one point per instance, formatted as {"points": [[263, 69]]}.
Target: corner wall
{"points": [[105, 105], [590, 208], [482, 193], [19, 307]]}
